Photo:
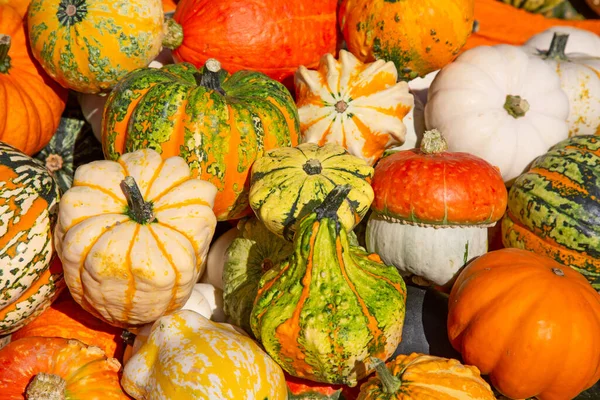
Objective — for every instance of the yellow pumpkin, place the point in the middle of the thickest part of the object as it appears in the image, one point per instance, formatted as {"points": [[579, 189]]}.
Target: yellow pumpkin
{"points": [[187, 356], [355, 105], [133, 236]]}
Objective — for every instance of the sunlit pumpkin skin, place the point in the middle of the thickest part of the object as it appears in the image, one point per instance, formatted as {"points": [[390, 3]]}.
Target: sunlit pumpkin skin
{"points": [[272, 37], [554, 208], [355, 105], [288, 183], [417, 36], [220, 135], [28, 204], [331, 305], [133, 236], [88, 46], [20, 6], [78, 372], [424, 377], [188, 357], [66, 319], [31, 102], [516, 315]]}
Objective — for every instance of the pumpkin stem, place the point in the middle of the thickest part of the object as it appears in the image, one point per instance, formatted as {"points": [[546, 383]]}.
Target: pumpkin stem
{"points": [[329, 207], [341, 106], [209, 77], [312, 167], [138, 210], [46, 387], [433, 142], [390, 383], [558, 271], [516, 106], [558, 46], [173, 34], [4, 57], [54, 162]]}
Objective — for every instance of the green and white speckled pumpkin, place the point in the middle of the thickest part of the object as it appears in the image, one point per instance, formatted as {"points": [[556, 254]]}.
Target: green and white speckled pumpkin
{"points": [[28, 204], [330, 306], [288, 183]]}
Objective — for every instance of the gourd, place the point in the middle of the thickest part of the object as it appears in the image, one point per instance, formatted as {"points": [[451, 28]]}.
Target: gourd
{"points": [[515, 315], [207, 301], [215, 260], [32, 103], [187, 356], [133, 236], [89, 46], [20, 6], [330, 306], [417, 42], [355, 105], [554, 207], [500, 104], [432, 208], [580, 40], [29, 278], [219, 123], [289, 182]]}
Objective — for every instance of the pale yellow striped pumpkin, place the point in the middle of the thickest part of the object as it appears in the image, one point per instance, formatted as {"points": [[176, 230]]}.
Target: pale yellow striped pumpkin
{"points": [[133, 235], [187, 356]]}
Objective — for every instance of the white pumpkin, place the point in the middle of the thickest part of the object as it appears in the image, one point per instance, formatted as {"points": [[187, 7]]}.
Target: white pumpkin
{"points": [[215, 261], [133, 236], [415, 126], [420, 85], [581, 40], [501, 104], [207, 301]]}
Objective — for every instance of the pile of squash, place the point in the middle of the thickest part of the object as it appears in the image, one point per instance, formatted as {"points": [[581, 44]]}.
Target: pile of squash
{"points": [[297, 200]]}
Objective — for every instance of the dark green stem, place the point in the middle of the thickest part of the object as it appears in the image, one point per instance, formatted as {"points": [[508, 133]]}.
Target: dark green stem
{"points": [[312, 167], [4, 57], [390, 383], [173, 34], [329, 207], [516, 106], [138, 210], [209, 77], [558, 46]]}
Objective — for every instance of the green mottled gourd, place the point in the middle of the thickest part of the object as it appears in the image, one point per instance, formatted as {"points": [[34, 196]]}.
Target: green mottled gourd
{"points": [[328, 308]]}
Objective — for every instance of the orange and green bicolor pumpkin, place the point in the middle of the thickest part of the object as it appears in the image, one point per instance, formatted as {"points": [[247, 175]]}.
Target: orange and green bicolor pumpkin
{"points": [[323, 312], [554, 208], [219, 123], [29, 277]]}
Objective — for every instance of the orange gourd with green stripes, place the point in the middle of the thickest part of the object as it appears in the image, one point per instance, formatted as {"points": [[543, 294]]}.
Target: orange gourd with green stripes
{"points": [[330, 306], [219, 123]]}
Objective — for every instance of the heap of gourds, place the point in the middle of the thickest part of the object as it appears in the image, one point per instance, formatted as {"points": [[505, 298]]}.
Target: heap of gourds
{"points": [[200, 200]]}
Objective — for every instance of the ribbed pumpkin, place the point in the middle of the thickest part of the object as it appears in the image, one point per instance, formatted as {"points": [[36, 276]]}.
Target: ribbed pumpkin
{"points": [[419, 37], [31, 102], [530, 323], [554, 208], [219, 123], [28, 203], [88, 46], [55, 368], [355, 105], [423, 377], [272, 37], [289, 182], [330, 306]]}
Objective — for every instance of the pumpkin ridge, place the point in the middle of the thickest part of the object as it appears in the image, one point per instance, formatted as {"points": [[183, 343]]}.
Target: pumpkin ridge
{"points": [[151, 181], [169, 258], [267, 285], [199, 202], [100, 189], [165, 225], [130, 292]]}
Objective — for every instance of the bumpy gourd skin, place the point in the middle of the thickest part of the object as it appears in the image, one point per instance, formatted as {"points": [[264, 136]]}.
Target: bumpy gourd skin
{"points": [[329, 307]]}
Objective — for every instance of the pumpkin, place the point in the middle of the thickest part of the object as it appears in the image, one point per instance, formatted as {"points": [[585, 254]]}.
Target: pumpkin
{"points": [[554, 208], [544, 7], [253, 252], [271, 37], [303, 389], [20, 6], [421, 377], [169, 6], [66, 319], [515, 315], [133, 236], [215, 260], [207, 301], [432, 209], [355, 105], [31, 103], [57, 368], [287, 183], [417, 42], [89, 46], [29, 279], [580, 40], [187, 356], [219, 123], [331, 305], [500, 104]]}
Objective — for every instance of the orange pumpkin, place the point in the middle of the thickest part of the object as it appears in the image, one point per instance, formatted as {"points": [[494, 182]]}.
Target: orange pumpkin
{"points": [[529, 322], [31, 102], [418, 36], [20, 6], [168, 5]]}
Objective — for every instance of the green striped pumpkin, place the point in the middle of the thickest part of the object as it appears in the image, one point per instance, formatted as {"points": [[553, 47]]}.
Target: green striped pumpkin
{"points": [[219, 123], [330, 306], [288, 183], [554, 208], [28, 205]]}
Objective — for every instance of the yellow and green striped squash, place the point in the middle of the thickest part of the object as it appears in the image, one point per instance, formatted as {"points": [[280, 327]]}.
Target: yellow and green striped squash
{"points": [[29, 281], [331, 306], [89, 45]]}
